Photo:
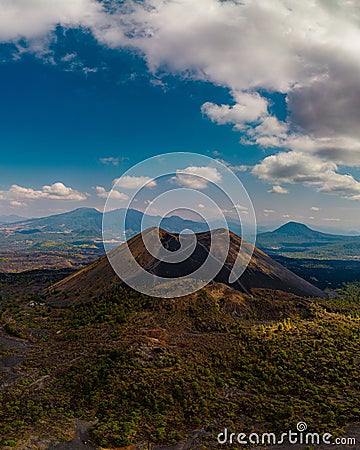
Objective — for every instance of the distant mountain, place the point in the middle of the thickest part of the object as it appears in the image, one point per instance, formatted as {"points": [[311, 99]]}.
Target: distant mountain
{"points": [[297, 232], [83, 227], [262, 272], [66, 231], [11, 218], [78, 220], [297, 239]]}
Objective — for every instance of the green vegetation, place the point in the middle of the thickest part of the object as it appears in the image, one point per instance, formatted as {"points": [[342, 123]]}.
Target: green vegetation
{"points": [[329, 274], [152, 370]]}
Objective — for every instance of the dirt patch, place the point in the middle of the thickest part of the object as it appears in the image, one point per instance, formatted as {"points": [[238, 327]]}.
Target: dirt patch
{"points": [[81, 438]]}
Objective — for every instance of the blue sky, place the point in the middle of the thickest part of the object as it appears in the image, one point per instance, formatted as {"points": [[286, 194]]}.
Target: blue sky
{"points": [[88, 89]]}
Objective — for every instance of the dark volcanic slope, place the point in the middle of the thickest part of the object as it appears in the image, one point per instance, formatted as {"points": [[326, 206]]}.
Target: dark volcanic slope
{"points": [[262, 272]]}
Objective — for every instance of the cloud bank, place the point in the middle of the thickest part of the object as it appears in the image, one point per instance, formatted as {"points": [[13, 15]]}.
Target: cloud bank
{"points": [[56, 191], [293, 167]]}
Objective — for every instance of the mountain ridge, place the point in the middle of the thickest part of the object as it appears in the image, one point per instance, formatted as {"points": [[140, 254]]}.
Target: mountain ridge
{"points": [[81, 229], [10, 218], [90, 211]]}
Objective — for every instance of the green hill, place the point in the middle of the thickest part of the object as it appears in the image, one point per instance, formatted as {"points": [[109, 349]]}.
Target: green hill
{"points": [[298, 240]]}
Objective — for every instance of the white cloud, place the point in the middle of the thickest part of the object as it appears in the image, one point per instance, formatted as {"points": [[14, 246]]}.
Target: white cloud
{"points": [[308, 170], [129, 182], [230, 43], [57, 191], [35, 20], [32, 19], [270, 133], [250, 115], [339, 149], [200, 205], [69, 57], [278, 190], [315, 208], [248, 108], [60, 191], [103, 193], [240, 168], [16, 204], [240, 207], [196, 177], [234, 168], [268, 211], [110, 161], [354, 197]]}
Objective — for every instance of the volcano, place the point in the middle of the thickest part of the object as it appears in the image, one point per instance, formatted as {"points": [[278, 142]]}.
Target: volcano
{"points": [[262, 272]]}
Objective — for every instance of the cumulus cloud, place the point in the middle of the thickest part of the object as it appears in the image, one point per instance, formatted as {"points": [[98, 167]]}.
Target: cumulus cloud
{"points": [[315, 208], [249, 114], [195, 177], [56, 191], [339, 149], [32, 19], [248, 108], [129, 182], [309, 170], [103, 193], [60, 191], [269, 133], [278, 190]]}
